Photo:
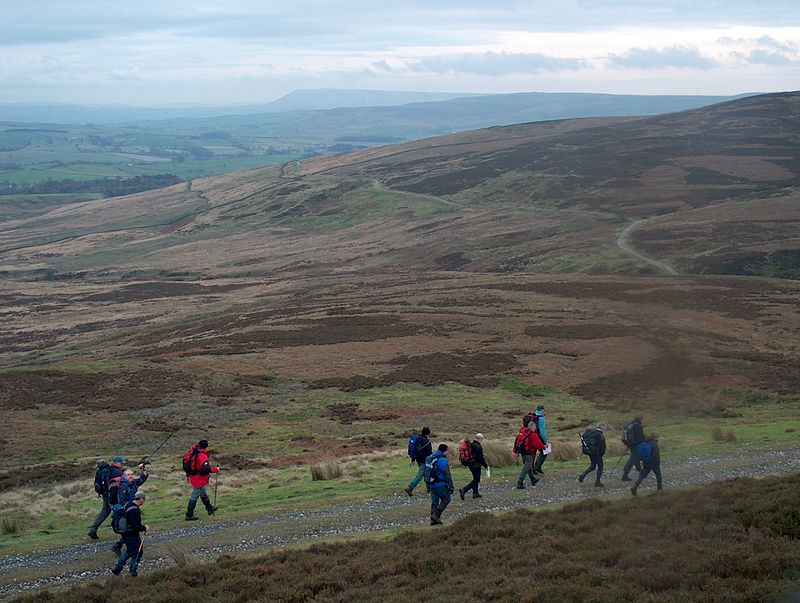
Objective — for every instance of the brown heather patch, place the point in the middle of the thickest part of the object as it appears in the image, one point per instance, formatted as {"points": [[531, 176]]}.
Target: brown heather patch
{"points": [[711, 544]]}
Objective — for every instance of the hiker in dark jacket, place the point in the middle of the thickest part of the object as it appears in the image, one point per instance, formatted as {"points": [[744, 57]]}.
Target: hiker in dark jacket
{"points": [[109, 496], [128, 487], [596, 443], [540, 424], [633, 434], [423, 451], [131, 539], [650, 455], [441, 487], [478, 461]]}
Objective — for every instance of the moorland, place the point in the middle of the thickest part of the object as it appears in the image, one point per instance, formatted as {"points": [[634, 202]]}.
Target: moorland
{"points": [[319, 309]]}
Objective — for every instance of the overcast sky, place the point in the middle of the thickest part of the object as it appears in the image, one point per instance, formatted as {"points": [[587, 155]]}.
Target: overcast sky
{"points": [[249, 51]]}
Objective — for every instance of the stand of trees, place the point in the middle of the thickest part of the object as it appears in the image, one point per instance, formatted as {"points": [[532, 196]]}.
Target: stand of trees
{"points": [[108, 187]]}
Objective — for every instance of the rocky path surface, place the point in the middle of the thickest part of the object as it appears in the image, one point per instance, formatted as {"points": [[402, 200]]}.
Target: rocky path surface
{"points": [[213, 537], [624, 245]]}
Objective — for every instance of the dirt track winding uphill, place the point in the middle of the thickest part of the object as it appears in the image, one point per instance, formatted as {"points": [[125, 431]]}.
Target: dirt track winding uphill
{"points": [[57, 567], [622, 243]]}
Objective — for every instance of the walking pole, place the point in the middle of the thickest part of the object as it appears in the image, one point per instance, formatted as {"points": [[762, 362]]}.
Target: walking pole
{"points": [[216, 475], [618, 461], [141, 546], [146, 460]]}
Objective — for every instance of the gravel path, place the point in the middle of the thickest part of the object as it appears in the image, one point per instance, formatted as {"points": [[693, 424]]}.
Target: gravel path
{"points": [[210, 538], [624, 245]]}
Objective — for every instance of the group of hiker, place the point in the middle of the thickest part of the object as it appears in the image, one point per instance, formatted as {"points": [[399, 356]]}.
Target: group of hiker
{"points": [[122, 499], [531, 445]]}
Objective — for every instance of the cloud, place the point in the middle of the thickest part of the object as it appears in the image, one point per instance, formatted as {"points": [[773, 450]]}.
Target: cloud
{"points": [[650, 58], [495, 63], [126, 74], [765, 57]]}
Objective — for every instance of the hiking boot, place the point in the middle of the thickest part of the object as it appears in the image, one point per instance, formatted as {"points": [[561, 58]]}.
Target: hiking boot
{"points": [[461, 493], [599, 485], [625, 478], [211, 510], [192, 518], [520, 486], [476, 495], [408, 491], [116, 570], [633, 491], [581, 477], [539, 471], [534, 481], [117, 549], [659, 487], [92, 533]]}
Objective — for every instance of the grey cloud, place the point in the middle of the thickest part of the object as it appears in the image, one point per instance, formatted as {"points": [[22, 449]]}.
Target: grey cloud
{"points": [[650, 58], [776, 44], [765, 57], [495, 63]]}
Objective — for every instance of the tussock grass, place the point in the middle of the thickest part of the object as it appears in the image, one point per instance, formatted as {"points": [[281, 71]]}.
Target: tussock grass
{"points": [[10, 525], [565, 451], [326, 470], [180, 555], [498, 453], [710, 544], [722, 434]]}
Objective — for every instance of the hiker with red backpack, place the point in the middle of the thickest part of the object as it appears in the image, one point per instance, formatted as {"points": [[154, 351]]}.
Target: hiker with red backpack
{"points": [[197, 465], [419, 448], [106, 483], [526, 444], [471, 456]]}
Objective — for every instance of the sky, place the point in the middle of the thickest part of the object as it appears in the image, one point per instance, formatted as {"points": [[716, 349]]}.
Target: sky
{"points": [[227, 52]]}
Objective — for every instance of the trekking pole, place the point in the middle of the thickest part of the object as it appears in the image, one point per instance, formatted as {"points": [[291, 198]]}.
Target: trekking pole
{"points": [[618, 461], [146, 460], [141, 546]]}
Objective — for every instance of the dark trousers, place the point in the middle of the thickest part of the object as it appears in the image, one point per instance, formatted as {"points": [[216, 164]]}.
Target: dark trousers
{"points": [[476, 479], [132, 551], [105, 511], [646, 469], [596, 463], [527, 470], [633, 460], [537, 466]]}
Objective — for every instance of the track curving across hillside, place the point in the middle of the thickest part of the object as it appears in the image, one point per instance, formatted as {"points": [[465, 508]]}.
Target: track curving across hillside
{"points": [[623, 243], [211, 538]]}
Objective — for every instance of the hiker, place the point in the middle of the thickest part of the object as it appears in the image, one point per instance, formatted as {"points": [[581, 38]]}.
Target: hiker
{"points": [[593, 444], [419, 448], [650, 456], [106, 482], [197, 464], [130, 536], [439, 483], [632, 434], [526, 444], [128, 487], [473, 460], [540, 426]]}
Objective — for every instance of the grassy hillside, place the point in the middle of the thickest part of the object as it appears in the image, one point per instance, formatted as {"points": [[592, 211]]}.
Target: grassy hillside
{"points": [[731, 541]]}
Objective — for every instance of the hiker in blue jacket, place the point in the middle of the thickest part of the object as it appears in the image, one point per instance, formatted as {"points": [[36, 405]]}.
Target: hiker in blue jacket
{"points": [[128, 487], [650, 456], [422, 450], [440, 483], [540, 424]]}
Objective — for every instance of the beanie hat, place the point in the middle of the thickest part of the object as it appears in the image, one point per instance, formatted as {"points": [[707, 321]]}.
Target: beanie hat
{"points": [[443, 447], [118, 459], [540, 407], [202, 444], [139, 495], [426, 430]]}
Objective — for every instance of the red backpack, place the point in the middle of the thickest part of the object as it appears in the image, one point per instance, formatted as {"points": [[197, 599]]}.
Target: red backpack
{"points": [[190, 461], [465, 453]]}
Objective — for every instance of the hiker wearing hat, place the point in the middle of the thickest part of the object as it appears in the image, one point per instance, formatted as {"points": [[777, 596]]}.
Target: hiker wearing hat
{"points": [[106, 484], [128, 487], [473, 460], [130, 536], [419, 448], [539, 424], [197, 464], [593, 444]]}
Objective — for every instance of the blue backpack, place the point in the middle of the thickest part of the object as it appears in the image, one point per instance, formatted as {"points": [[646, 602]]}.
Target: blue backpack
{"points": [[432, 470], [644, 450], [412, 446]]}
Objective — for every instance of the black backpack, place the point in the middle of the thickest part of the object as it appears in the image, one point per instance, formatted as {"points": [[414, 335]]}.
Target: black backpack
{"points": [[101, 477], [627, 435], [119, 517], [588, 441]]}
